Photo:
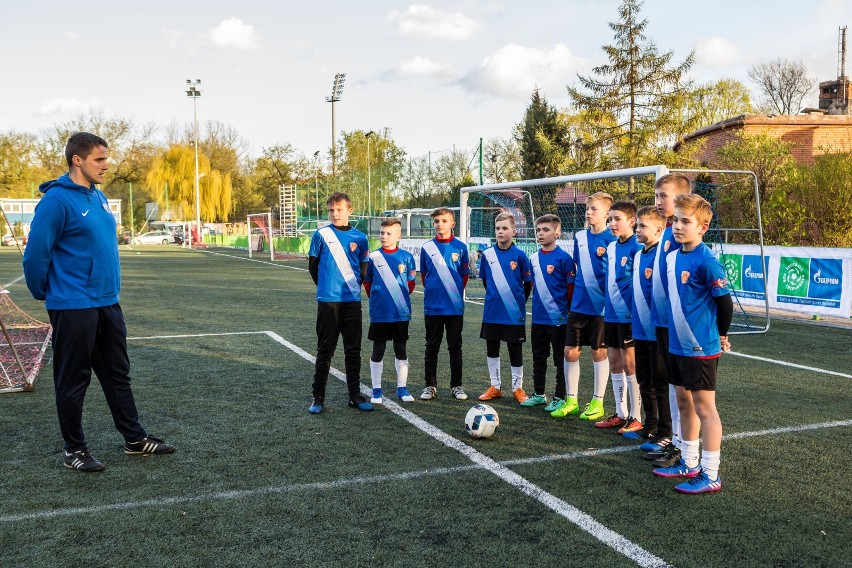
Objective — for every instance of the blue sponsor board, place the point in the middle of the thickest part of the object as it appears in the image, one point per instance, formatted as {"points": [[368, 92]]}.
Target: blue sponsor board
{"points": [[824, 286], [752, 281]]}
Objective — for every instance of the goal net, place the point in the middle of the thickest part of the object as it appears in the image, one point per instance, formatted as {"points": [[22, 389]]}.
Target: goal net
{"points": [[23, 343], [732, 194], [260, 234]]}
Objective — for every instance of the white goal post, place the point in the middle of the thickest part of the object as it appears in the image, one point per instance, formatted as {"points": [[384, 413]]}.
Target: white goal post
{"points": [[260, 233]]}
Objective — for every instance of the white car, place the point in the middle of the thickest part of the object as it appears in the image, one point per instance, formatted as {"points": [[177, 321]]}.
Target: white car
{"points": [[153, 238]]}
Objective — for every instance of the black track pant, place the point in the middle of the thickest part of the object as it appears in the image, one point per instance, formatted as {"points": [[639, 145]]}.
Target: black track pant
{"points": [[335, 319], [435, 326], [650, 372], [548, 340]]}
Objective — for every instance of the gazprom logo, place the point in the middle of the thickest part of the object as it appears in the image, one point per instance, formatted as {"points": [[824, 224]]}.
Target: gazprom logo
{"points": [[749, 273], [820, 280]]}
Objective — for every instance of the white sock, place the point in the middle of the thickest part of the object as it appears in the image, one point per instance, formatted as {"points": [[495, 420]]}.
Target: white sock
{"points": [[689, 452], [710, 463], [494, 371], [401, 372], [675, 411], [618, 392], [635, 397], [601, 378], [572, 378], [517, 378], [376, 369]]}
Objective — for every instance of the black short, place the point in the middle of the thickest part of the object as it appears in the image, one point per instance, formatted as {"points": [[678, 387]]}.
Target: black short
{"points": [[693, 373], [503, 332], [619, 335], [388, 331], [583, 329]]}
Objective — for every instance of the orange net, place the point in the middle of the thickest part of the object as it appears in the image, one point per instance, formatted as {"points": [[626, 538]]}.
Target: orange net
{"points": [[23, 343]]}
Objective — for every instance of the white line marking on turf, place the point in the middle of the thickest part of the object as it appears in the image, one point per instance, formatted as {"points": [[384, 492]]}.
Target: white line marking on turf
{"points": [[405, 476], [583, 520], [786, 364], [198, 335], [267, 262], [18, 279]]}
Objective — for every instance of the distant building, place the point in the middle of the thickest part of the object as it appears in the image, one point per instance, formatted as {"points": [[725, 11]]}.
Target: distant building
{"points": [[810, 134], [834, 96], [20, 211]]}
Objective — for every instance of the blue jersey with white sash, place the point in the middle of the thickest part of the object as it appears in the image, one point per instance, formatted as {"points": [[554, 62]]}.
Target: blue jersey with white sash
{"points": [[340, 256], [590, 282], [389, 274], [694, 279], [660, 307], [619, 280], [504, 272], [643, 270], [442, 265], [552, 272]]}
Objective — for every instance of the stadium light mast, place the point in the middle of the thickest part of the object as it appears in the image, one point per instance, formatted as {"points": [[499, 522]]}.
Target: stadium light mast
{"points": [[336, 93], [369, 181], [316, 182], [194, 92]]}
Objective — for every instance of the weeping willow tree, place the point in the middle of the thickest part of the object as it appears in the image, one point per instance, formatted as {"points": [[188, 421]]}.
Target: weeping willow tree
{"points": [[175, 169]]}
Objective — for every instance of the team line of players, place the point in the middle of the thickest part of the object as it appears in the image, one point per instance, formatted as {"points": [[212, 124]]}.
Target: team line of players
{"points": [[653, 307]]}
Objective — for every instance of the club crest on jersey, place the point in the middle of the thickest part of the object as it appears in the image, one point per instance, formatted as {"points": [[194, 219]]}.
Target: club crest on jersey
{"points": [[550, 268], [353, 246], [720, 283], [601, 251], [684, 277], [648, 273], [401, 268], [623, 261], [455, 257], [667, 246], [513, 265]]}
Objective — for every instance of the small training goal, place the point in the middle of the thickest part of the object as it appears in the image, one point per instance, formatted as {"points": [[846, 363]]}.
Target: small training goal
{"points": [[23, 343]]}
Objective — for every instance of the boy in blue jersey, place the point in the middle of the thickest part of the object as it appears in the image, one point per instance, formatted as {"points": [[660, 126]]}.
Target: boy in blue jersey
{"points": [[665, 450], [618, 317], [650, 367], [444, 270], [337, 261], [585, 321], [553, 284], [507, 281], [700, 311], [389, 283]]}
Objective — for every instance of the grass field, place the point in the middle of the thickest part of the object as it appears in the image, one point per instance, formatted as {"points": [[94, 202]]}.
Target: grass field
{"points": [[220, 349]]}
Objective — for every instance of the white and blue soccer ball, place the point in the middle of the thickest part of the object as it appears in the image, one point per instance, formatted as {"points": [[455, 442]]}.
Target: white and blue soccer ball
{"points": [[481, 421]]}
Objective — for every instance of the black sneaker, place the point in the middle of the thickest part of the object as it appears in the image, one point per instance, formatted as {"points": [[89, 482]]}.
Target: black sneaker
{"points": [[82, 460], [662, 451], [360, 403], [668, 460], [147, 446]]}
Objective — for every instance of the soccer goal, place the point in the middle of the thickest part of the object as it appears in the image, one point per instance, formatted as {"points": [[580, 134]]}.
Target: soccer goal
{"points": [[23, 344], [260, 234], [736, 221]]}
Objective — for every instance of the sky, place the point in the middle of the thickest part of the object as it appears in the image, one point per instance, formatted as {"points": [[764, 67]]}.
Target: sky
{"points": [[437, 75]]}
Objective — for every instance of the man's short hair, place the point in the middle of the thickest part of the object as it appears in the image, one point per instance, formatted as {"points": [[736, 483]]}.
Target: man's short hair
{"points": [[602, 197], [443, 211], [651, 213], [505, 216], [338, 197], [82, 144], [625, 206], [391, 221], [693, 204], [549, 218], [680, 182]]}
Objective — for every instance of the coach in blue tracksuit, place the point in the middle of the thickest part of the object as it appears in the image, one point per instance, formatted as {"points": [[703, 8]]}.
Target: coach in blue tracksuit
{"points": [[71, 262]]}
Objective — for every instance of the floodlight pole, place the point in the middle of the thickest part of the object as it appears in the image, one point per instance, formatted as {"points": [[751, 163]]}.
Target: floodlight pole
{"points": [[193, 92], [369, 181], [336, 93], [316, 182]]}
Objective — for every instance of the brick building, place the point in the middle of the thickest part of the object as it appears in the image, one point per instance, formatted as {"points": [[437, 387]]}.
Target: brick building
{"points": [[810, 134]]}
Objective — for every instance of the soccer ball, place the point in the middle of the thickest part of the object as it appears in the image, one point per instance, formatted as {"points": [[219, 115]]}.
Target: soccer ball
{"points": [[481, 421]]}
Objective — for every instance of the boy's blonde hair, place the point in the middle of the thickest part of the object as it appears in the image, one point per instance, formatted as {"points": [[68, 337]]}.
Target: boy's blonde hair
{"points": [[601, 196], [650, 213], [695, 205], [626, 207], [679, 182], [549, 218], [505, 217], [443, 211]]}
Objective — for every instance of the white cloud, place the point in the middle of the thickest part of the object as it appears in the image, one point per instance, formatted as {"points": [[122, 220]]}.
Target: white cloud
{"points": [[422, 67], [235, 33], [425, 21], [70, 35], [515, 70], [63, 105], [172, 36], [716, 52]]}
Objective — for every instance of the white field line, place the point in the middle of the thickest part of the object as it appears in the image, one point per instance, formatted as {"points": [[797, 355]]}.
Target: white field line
{"points": [[786, 364], [405, 476], [584, 521], [18, 279], [267, 262], [186, 335]]}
